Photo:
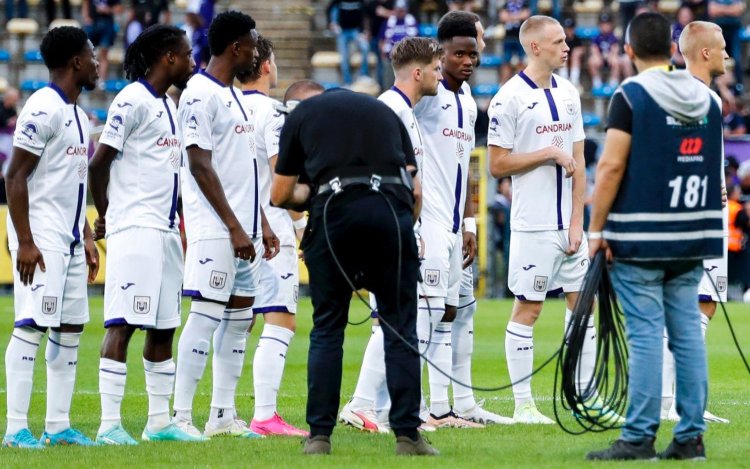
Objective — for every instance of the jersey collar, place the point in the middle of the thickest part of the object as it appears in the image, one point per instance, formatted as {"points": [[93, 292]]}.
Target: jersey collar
{"points": [[211, 77], [401, 93], [445, 85], [249, 92], [149, 87], [529, 82], [59, 91]]}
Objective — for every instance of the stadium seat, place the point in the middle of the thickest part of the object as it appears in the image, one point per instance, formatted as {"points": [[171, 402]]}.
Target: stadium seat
{"points": [[116, 56], [4, 55], [491, 61], [99, 114], [325, 59], [745, 34], [669, 7], [486, 90], [587, 33], [329, 85], [64, 22], [590, 119], [3, 84], [181, 4], [33, 85], [496, 32], [22, 26], [603, 91], [33, 56], [356, 59], [115, 85], [427, 30]]}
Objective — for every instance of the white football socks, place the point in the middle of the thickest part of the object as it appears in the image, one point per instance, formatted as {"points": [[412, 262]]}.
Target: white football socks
{"points": [[372, 375], [159, 385], [192, 354], [62, 358], [19, 373], [230, 339], [441, 354], [704, 326], [519, 353], [587, 363], [112, 378], [463, 346], [268, 368]]}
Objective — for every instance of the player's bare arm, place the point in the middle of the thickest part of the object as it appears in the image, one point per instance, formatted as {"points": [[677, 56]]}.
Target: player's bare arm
{"points": [[609, 173], [98, 183], [417, 191], [16, 186], [270, 241], [575, 230], [503, 164], [92, 254], [210, 185], [469, 237], [287, 192]]}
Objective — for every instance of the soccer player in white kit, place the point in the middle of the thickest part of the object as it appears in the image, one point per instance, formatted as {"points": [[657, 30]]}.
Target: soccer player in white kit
{"points": [[416, 65], [277, 300], [536, 136], [226, 230], [704, 49], [134, 180], [49, 239]]}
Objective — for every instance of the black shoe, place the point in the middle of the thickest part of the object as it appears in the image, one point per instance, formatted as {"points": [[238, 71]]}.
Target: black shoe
{"points": [[624, 450], [691, 449], [405, 446], [318, 444]]}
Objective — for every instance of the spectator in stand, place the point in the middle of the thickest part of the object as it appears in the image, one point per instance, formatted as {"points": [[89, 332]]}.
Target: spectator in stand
{"points": [[51, 8], [136, 23], [739, 229], [465, 5], [500, 211], [377, 12], [198, 17], [512, 14], [606, 52], [628, 9], [99, 23], [734, 124], [10, 12], [698, 7], [158, 12], [9, 110], [401, 24], [728, 15], [731, 167], [683, 17], [572, 68], [346, 20]]}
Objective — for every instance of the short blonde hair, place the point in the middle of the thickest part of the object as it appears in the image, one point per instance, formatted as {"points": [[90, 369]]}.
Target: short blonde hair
{"points": [[689, 36], [532, 26]]}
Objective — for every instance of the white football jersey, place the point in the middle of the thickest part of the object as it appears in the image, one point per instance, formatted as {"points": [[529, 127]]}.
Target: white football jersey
{"points": [[447, 124], [395, 99], [526, 118], [144, 177], [268, 122], [213, 118], [58, 132]]}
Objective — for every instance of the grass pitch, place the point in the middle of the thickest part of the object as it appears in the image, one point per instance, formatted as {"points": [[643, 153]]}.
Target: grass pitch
{"points": [[498, 446]]}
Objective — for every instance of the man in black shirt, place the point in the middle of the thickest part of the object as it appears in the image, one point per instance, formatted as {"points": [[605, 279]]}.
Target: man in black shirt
{"points": [[355, 152], [346, 20]]}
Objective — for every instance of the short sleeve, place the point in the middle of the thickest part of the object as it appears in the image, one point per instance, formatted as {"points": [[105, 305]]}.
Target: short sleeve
{"points": [[292, 156], [272, 132], [122, 119], [620, 116], [34, 129], [502, 128], [197, 121]]}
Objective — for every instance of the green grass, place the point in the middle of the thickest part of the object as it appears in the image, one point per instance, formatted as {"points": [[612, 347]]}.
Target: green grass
{"points": [[499, 446]]}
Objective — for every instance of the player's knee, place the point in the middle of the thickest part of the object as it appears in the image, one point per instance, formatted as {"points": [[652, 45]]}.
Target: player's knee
{"points": [[29, 334], [73, 328], [285, 320], [240, 302], [526, 312], [450, 313]]}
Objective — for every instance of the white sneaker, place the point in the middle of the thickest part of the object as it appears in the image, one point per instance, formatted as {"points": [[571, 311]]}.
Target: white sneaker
{"points": [[672, 415], [234, 427], [363, 419], [451, 420], [187, 427], [479, 415], [529, 414], [709, 417]]}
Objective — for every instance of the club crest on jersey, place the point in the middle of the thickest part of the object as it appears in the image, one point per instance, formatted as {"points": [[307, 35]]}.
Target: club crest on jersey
{"points": [[472, 118], [721, 284], [29, 130], [141, 304], [431, 277], [570, 107], [217, 280], [49, 305], [540, 283]]}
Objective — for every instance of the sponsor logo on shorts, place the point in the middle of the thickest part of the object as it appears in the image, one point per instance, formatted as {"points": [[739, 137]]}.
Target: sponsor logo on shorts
{"points": [[141, 304], [49, 305], [721, 284], [217, 280], [431, 277], [540, 283]]}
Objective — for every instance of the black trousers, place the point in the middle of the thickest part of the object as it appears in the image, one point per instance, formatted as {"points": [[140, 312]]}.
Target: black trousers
{"points": [[365, 240]]}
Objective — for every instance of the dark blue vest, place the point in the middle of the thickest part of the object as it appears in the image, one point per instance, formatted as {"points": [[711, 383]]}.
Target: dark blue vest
{"points": [[669, 203]]}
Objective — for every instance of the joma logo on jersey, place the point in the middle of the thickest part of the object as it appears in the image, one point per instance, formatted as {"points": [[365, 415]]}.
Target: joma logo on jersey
{"points": [[543, 129], [141, 304], [49, 305], [459, 134], [217, 279], [77, 151], [168, 142], [243, 128], [691, 146]]}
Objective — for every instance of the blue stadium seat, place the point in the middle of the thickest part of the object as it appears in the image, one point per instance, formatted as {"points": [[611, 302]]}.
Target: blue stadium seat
{"points": [[428, 30], [745, 34], [330, 85], [603, 91], [100, 114], [33, 56], [587, 33], [491, 61], [591, 120], [486, 90], [33, 85], [115, 85], [4, 55]]}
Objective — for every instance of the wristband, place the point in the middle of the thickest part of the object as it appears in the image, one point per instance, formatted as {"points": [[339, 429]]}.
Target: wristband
{"points": [[300, 224], [595, 235], [470, 225]]}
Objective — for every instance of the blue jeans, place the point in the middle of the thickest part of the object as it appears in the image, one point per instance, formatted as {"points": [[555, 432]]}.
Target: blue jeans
{"points": [[342, 43], [10, 13], [655, 295]]}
